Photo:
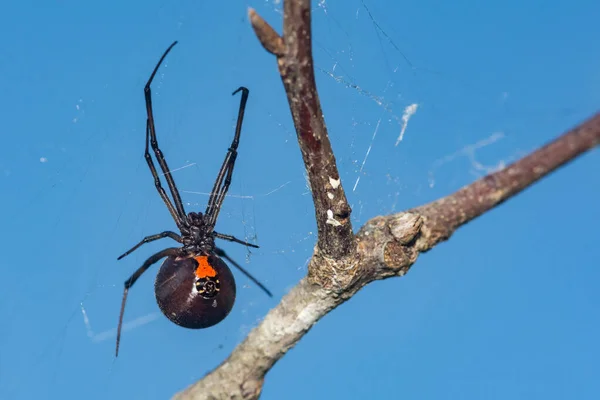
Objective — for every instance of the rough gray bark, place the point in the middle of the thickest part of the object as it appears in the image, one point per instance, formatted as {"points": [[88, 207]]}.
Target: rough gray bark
{"points": [[384, 247]]}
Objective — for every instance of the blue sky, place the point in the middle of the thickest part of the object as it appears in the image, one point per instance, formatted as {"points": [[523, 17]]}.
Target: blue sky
{"points": [[506, 309]]}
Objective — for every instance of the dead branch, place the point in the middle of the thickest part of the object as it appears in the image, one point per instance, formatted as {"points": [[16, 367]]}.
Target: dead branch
{"points": [[385, 246], [294, 58]]}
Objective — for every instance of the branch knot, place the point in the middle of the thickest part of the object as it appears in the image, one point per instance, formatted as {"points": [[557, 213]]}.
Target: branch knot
{"points": [[334, 275]]}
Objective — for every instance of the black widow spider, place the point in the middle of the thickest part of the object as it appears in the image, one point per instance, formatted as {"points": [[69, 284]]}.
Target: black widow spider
{"points": [[194, 288]]}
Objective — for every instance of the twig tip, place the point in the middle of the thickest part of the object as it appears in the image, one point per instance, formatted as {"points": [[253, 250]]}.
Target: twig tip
{"points": [[267, 36]]}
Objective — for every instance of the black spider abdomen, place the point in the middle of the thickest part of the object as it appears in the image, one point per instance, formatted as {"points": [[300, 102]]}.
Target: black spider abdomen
{"points": [[195, 292]]}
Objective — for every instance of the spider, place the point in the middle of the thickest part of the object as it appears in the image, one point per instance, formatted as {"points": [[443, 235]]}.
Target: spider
{"points": [[194, 287]]}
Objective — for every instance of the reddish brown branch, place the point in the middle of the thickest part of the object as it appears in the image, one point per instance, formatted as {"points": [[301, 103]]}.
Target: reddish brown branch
{"points": [[294, 58], [447, 214]]}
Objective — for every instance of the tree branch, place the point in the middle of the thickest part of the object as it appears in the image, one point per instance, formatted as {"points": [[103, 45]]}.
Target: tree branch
{"points": [[294, 58], [385, 246], [449, 213]]}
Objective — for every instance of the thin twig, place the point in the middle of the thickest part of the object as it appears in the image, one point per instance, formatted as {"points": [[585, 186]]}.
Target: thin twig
{"points": [[448, 213], [295, 61]]}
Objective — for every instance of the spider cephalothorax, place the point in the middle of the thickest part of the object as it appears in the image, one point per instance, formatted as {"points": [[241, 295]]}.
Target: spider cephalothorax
{"points": [[197, 236], [194, 287]]}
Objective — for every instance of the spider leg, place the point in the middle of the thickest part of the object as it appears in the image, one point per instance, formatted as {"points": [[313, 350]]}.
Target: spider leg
{"points": [[152, 238], [129, 283], [154, 143], [233, 239], [221, 253], [217, 195], [163, 195]]}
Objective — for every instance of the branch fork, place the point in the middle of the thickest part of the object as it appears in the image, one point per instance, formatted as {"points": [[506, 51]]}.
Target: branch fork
{"points": [[386, 246]]}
